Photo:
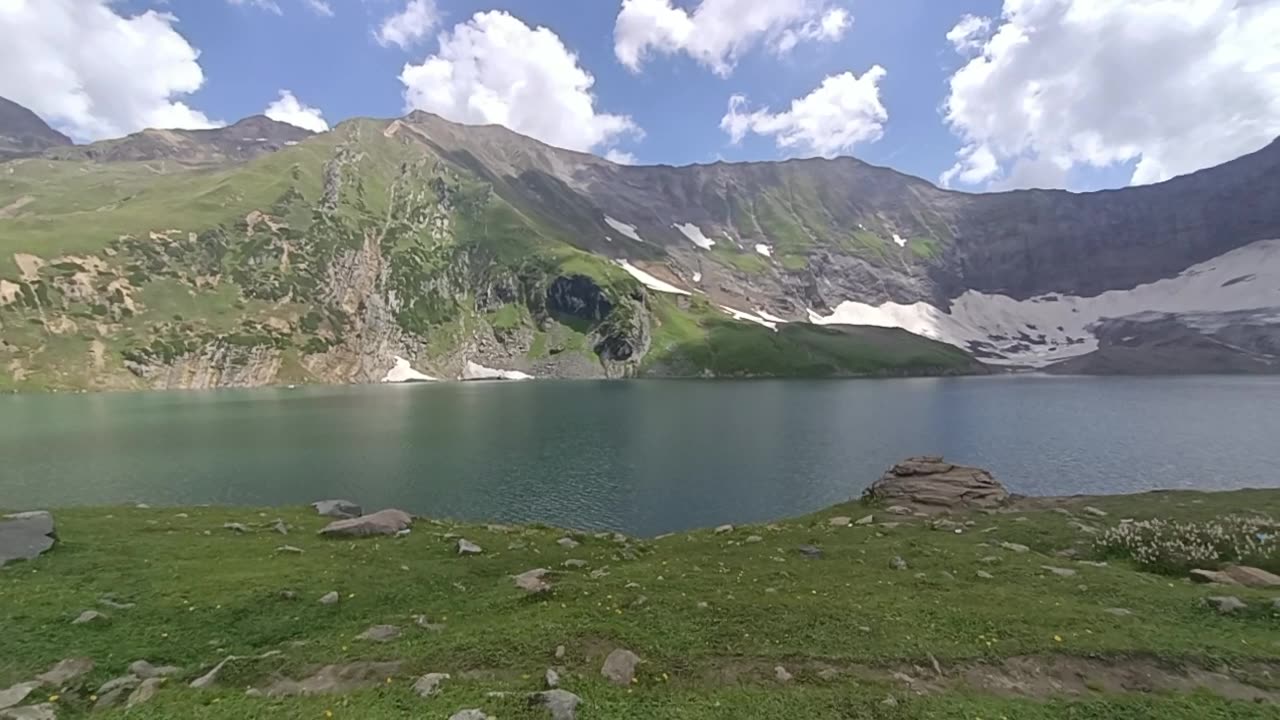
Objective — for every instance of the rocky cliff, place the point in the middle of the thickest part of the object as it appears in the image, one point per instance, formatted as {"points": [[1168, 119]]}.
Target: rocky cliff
{"points": [[23, 133]]}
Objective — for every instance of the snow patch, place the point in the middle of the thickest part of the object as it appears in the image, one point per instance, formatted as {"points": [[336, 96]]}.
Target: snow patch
{"points": [[899, 240], [749, 317], [697, 277], [1045, 329], [764, 250], [694, 234], [403, 372], [650, 281], [625, 229], [771, 318], [476, 371]]}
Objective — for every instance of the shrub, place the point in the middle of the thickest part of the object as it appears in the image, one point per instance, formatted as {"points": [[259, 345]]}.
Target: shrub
{"points": [[1176, 547]]}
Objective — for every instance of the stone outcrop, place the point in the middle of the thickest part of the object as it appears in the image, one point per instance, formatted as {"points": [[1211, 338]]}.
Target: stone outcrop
{"points": [[25, 535], [930, 484], [383, 522]]}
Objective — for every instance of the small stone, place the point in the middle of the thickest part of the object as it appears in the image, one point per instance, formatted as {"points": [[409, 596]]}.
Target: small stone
{"points": [[702, 605], [1226, 604], [781, 675], [466, 547], [890, 525], [425, 623], [43, 711], [897, 563], [990, 560], [330, 598], [145, 691], [469, 714], [560, 651], [341, 509], [753, 539], [865, 520], [110, 602], [840, 521], [620, 667], [562, 704], [599, 573], [17, 693], [238, 528], [65, 671], [89, 616], [1015, 547], [811, 552], [280, 527], [1119, 612], [551, 678], [567, 542], [890, 701], [532, 582], [574, 563], [429, 684], [618, 537], [1060, 572], [146, 670], [721, 530], [380, 633], [1090, 510], [986, 575], [289, 549]]}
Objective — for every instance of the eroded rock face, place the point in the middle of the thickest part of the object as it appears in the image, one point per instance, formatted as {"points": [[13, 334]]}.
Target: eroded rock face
{"points": [[383, 522], [25, 535], [930, 484]]}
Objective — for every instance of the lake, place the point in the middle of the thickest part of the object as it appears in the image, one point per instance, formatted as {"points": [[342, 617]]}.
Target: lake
{"points": [[643, 457]]}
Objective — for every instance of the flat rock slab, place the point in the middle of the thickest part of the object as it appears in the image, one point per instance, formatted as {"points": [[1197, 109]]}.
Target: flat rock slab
{"points": [[932, 485], [383, 522], [16, 694], [25, 535], [562, 704], [44, 711], [380, 633], [620, 667], [332, 679], [341, 509], [66, 671]]}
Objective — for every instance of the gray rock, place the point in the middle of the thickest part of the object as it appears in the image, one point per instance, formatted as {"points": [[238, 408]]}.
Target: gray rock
{"points": [[574, 563], [145, 691], [811, 552], [934, 485], [562, 704], [146, 670], [1119, 612], [1087, 529], [469, 714], [89, 616], [898, 510], [551, 678], [753, 539], [289, 549], [26, 535], [897, 563], [532, 581], [620, 667], [1015, 547], [341, 509], [721, 530], [567, 542], [1212, 576], [280, 527], [380, 633], [429, 684], [560, 651], [889, 701], [867, 520], [330, 598], [235, 527], [1060, 572], [425, 623], [113, 691], [466, 547], [990, 560], [383, 522], [1090, 510], [1251, 576], [65, 671], [16, 694], [986, 575], [840, 521], [43, 711], [781, 675], [1225, 604]]}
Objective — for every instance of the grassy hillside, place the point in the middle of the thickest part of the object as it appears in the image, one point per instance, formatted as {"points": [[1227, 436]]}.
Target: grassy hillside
{"points": [[968, 629]]}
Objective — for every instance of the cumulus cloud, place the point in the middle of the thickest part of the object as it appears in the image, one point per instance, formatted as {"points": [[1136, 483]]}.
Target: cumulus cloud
{"points": [[1169, 85], [95, 73], [718, 32], [843, 111], [620, 157], [409, 26], [495, 69], [288, 109]]}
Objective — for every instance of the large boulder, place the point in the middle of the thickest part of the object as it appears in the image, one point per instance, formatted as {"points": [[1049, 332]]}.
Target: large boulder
{"points": [[24, 536], [342, 509], [383, 522], [932, 485]]}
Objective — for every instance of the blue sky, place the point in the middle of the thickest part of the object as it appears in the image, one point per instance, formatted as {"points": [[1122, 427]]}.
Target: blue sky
{"points": [[1055, 93]]}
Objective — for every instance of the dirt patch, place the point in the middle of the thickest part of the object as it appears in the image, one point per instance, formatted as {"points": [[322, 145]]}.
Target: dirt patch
{"points": [[12, 208], [28, 265]]}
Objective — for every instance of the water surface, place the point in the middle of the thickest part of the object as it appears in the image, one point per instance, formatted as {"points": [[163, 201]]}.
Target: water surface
{"points": [[640, 456]]}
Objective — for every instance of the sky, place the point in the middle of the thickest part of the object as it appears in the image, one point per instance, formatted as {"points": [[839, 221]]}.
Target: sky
{"points": [[978, 95]]}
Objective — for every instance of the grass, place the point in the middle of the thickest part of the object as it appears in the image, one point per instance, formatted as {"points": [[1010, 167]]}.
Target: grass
{"points": [[203, 592]]}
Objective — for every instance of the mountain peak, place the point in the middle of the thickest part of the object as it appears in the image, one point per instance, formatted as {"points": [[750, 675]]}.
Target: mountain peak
{"points": [[23, 133]]}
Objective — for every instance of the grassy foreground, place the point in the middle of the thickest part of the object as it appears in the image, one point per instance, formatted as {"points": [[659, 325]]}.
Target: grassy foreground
{"points": [[711, 614]]}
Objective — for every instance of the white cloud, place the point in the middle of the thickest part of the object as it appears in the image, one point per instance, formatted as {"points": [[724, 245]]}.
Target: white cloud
{"points": [[620, 157], [320, 7], [1170, 85], [288, 109], [843, 111], [718, 32], [495, 69], [94, 73], [407, 27], [269, 5]]}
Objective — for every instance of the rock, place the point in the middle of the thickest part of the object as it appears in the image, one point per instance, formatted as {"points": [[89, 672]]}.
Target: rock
{"points": [[210, 677], [600, 572], [429, 684], [1251, 576], [380, 633], [532, 581], [330, 598], [145, 691], [1225, 604], [551, 678], [865, 520], [89, 616], [991, 560], [341, 509], [425, 623], [620, 667], [721, 530], [752, 539], [235, 527], [889, 701], [110, 602], [1090, 510], [560, 651], [289, 549], [1015, 547], [567, 542], [562, 704], [43, 711], [933, 485], [899, 510], [1093, 563], [65, 671], [335, 679], [466, 547], [781, 675], [469, 714], [146, 670], [1087, 529], [17, 693], [112, 691], [811, 552], [574, 563], [1060, 572], [1119, 612], [897, 563], [26, 535], [986, 575], [280, 527], [839, 521], [1212, 576], [383, 522]]}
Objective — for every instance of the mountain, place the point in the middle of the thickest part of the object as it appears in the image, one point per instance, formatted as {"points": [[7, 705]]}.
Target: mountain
{"points": [[200, 259], [23, 133]]}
